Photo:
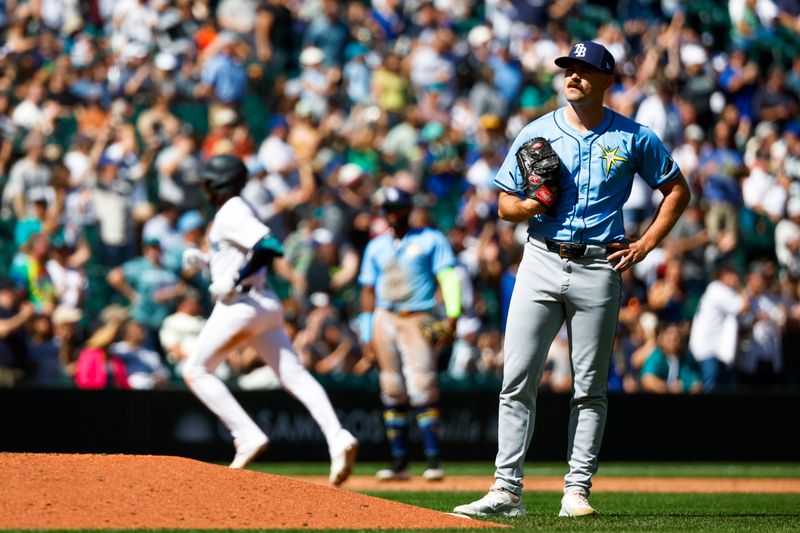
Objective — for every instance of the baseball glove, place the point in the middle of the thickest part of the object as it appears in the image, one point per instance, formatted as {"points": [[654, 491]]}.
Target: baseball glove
{"points": [[540, 168], [434, 331]]}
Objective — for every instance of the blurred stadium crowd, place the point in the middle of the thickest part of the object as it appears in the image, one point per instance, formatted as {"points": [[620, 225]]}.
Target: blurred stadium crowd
{"points": [[108, 109]]}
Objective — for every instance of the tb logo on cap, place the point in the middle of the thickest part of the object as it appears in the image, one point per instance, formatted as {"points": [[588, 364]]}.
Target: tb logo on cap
{"points": [[580, 50]]}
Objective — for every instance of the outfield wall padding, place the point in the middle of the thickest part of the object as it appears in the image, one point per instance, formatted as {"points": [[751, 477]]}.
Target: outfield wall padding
{"points": [[723, 427]]}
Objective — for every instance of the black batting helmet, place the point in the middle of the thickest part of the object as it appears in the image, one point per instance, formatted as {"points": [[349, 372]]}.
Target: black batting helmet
{"points": [[224, 174]]}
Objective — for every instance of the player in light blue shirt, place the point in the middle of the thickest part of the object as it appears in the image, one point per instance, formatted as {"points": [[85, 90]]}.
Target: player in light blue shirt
{"points": [[403, 271], [597, 173], [399, 273], [570, 270]]}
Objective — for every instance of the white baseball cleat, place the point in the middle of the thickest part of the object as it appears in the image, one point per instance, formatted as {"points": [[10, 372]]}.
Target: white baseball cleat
{"points": [[433, 474], [576, 503], [497, 502], [387, 474], [342, 459], [247, 450]]}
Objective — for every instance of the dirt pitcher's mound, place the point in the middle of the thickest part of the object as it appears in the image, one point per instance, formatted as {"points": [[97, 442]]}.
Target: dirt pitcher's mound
{"points": [[48, 491]]}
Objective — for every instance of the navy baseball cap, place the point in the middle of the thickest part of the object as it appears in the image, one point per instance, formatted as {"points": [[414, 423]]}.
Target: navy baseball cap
{"points": [[588, 52], [396, 198]]}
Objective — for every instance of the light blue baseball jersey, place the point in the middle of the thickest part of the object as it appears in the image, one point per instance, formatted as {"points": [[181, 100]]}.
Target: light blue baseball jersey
{"points": [[403, 271], [597, 171]]}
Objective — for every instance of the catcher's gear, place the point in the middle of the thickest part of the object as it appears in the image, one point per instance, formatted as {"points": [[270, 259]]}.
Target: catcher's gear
{"points": [[540, 168], [224, 174], [434, 330]]}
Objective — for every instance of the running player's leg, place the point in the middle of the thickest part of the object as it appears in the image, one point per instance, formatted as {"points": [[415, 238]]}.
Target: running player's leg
{"points": [[534, 317], [277, 351], [224, 331], [592, 312]]}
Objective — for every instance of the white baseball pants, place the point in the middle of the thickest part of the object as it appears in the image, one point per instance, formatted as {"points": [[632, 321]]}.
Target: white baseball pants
{"points": [[253, 318], [584, 292]]}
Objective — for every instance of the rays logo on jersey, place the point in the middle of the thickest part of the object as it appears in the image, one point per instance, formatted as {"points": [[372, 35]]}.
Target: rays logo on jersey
{"points": [[611, 157]]}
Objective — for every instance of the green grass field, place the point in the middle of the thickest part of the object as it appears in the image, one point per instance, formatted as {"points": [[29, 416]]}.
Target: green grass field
{"points": [[639, 512], [619, 512]]}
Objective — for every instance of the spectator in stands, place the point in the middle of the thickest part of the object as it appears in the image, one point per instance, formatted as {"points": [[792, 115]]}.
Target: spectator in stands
{"points": [[666, 295], [151, 289], [760, 358], [179, 170], [424, 94], [180, 330], [787, 239], [162, 227], [719, 173], [110, 203], [38, 220], [774, 102], [96, 368], [68, 336], [315, 83], [326, 345], [715, 328], [29, 178], [274, 35], [29, 273], [670, 368], [739, 80], [327, 33], [65, 268], [29, 114], [143, 367], [42, 361], [223, 79], [14, 314]]}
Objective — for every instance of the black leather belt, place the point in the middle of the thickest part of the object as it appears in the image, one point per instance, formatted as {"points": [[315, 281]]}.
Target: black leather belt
{"points": [[572, 250]]}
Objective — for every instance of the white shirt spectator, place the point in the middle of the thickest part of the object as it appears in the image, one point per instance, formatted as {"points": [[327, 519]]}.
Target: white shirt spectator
{"points": [[276, 155], [161, 229], [144, 367], [29, 115], [111, 209], [760, 190], [481, 174], [687, 160], [428, 67], [133, 21], [764, 343], [787, 241], [78, 164], [30, 179], [715, 327], [69, 284], [178, 336]]}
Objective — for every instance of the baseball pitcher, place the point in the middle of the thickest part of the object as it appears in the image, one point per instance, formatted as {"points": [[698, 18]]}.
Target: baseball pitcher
{"points": [[568, 175]]}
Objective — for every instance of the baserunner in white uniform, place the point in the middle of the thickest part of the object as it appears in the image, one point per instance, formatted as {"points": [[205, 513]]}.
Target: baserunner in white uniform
{"points": [[247, 313], [570, 270]]}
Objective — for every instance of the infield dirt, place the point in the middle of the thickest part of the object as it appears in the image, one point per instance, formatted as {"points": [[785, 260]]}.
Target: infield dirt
{"points": [[60, 491]]}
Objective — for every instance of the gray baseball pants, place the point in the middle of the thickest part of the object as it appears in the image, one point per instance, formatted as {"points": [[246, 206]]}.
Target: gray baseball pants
{"points": [[584, 292]]}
